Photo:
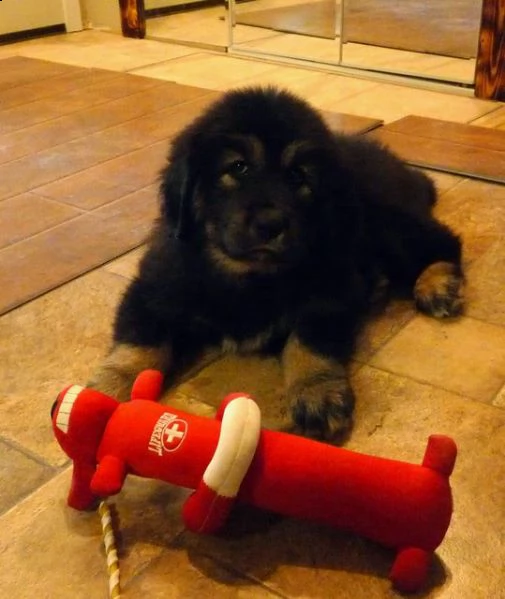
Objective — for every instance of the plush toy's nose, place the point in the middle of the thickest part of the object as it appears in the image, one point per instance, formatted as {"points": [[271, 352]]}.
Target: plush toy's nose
{"points": [[53, 407]]}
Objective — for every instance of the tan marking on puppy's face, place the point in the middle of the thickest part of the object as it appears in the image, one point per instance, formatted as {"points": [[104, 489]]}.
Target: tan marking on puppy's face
{"points": [[293, 150], [300, 166], [254, 218], [243, 153], [233, 266], [226, 263]]}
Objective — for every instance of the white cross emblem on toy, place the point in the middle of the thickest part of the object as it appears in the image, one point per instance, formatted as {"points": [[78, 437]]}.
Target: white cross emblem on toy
{"points": [[173, 436]]}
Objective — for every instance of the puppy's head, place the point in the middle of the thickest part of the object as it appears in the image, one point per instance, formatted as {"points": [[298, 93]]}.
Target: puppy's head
{"points": [[247, 179]]}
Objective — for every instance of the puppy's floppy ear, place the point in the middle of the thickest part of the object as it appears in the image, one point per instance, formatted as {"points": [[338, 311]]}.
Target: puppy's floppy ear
{"points": [[178, 189]]}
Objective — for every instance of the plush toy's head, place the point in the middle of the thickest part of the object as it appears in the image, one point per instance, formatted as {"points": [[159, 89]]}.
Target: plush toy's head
{"points": [[79, 419]]}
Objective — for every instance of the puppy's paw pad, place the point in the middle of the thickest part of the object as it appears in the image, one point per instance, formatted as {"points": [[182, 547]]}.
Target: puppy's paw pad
{"points": [[439, 290], [322, 406]]}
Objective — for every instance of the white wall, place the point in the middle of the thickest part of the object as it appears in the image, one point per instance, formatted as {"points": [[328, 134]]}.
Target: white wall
{"points": [[21, 15], [148, 4], [157, 3]]}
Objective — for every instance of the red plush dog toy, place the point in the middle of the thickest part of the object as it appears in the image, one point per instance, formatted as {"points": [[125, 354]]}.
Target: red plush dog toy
{"points": [[400, 505]]}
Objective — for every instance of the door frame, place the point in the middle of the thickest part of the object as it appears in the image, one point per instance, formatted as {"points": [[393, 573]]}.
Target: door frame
{"points": [[133, 18], [490, 71], [73, 15]]}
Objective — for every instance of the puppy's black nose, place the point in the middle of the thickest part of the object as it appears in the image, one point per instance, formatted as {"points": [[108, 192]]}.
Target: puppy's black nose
{"points": [[269, 224]]}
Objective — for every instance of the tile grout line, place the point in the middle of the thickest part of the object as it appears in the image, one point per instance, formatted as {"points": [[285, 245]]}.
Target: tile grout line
{"points": [[141, 571], [43, 232], [22, 498], [421, 136], [133, 70], [42, 292], [451, 189], [102, 162], [76, 217], [49, 200], [390, 338], [64, 73], [486, 114], [439, 387], [177, 539], [257, 581], [101, 104], [28, 453], [51, 94], [68, 114]]}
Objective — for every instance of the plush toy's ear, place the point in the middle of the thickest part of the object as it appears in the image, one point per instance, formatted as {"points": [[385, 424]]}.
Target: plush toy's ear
{"points": [[147, 385], [178, 189]]}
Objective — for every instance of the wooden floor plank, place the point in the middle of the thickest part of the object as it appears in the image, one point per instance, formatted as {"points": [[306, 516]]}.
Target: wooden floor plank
{"points": [[18, 70], [90, 119], [60, 85], [475, 152], [349, 123], [458, 133]]}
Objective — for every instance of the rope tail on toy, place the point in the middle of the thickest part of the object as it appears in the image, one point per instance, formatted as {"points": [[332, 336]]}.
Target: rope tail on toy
{"points": [[110, 550]]}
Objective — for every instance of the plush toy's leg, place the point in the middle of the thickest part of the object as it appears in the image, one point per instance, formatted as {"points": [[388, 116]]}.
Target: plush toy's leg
{"points": [[207, 509], [109, 476], [80, 496], [410, 569], [440, 454], [147, 385]]}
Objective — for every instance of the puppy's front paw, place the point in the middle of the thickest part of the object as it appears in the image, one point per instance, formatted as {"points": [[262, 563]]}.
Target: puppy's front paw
{"points": [[439, 290], [117, 373], [112, 382], [322, 405]]}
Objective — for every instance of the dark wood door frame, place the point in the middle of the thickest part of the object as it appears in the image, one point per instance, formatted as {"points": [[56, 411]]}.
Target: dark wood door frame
{"points": [[490, 71], [133, 18], [489, 74]]}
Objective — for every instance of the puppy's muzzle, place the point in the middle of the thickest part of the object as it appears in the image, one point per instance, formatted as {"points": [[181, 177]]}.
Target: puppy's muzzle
{"points": [[268, 226]]}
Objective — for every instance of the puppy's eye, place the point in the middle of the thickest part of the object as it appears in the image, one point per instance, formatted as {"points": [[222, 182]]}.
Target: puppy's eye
{"points": [[297, 176], [238, 168]]}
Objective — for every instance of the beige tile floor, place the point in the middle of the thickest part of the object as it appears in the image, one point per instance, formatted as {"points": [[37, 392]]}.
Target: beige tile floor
{"points": [[413, 377]]}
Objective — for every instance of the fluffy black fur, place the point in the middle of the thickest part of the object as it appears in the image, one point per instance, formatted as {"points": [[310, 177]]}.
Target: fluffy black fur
{"points": [[274, 234]]}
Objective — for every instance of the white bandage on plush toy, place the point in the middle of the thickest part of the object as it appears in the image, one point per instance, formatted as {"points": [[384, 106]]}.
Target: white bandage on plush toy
{"points": [[208, 507]]}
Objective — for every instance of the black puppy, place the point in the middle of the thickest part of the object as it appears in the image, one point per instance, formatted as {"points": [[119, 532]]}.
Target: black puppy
{"points": [[273, 236]]}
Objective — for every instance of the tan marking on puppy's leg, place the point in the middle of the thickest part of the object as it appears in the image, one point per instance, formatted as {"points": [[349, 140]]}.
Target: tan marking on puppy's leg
{"points": [[439, 290], [117, 373], [318, 390], [300, 362]]}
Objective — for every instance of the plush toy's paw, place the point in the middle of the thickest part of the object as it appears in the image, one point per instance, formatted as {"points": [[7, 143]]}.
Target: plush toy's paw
{"points": [[322, 405], [410, 569], [109, 476], [439, 290]]}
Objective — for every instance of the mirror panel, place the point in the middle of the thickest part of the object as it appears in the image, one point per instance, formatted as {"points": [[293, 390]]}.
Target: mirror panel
{"points": [[201, 23]]}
